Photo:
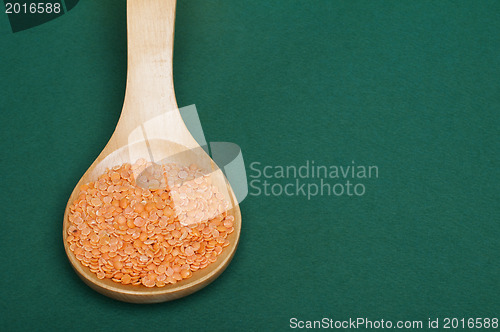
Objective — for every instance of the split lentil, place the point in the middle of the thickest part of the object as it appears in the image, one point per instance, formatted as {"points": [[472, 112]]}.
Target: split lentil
{"points": [[154, 231]]}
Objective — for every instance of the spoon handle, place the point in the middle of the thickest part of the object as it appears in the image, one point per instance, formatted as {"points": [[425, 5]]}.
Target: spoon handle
{"points": [[150, 39]]}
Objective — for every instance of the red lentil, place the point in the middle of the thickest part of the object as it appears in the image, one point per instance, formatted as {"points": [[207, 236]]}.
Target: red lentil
{"points": [[155, 232]]}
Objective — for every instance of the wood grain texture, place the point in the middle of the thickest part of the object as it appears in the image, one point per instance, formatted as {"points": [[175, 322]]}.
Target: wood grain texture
{"points": [[151, 127]]}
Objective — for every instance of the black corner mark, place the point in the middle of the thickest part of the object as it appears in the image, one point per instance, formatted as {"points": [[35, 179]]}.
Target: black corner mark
{"points": [[70, 4], [28, 14]]}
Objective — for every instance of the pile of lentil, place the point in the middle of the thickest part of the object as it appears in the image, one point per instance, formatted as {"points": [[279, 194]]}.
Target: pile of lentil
{"points": [[150, 236]]}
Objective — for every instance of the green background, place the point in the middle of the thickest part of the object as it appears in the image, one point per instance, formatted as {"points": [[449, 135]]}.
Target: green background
{"points": [[410, 86]]}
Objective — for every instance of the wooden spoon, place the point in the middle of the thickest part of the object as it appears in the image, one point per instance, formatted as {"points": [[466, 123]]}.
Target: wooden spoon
{"points": [[152, 128]]}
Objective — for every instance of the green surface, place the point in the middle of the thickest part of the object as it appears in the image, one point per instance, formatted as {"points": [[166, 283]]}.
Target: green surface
{"points": [[412, 87]]}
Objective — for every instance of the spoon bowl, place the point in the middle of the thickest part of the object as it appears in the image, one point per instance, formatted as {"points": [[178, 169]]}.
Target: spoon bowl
{"points": [[151, 128]]}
